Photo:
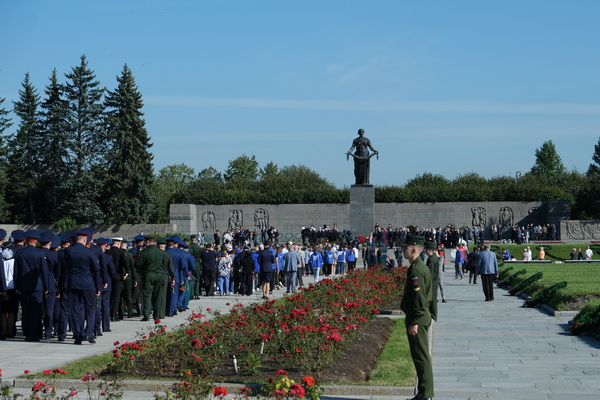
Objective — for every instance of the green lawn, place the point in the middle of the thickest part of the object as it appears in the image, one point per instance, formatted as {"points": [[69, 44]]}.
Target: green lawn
{"points": [[554, 252], [395, 366], [582, 282]]}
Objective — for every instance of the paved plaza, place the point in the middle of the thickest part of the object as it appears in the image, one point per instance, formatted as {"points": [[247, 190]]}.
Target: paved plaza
{"points": [[481, 350]]}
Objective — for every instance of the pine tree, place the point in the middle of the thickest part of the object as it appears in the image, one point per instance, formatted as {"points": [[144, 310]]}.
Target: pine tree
{"points": [[127, 193], [24, 149], [5, 123], [86, 146], [547, 161], [54, 156]]}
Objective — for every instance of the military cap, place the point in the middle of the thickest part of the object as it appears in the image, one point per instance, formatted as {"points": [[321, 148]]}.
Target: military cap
{"points": [[32, 234], [138, 238], [184, 245], [2, 234], [18, 234], [414, 240], [46, 236], [55, 242], [65, 236], [176, 238], [80, 232], [193, 236], [103, 241], [161, 241], [117, 239], [430, 246], [169, 239]]}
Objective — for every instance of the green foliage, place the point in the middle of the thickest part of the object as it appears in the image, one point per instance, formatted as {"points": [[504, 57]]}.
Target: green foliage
{"points": [[64, 224], [508, 280], [547, 161], [545, 295], [82, 187], [24, 155], [524, 284], [588, 319], [242, 169], [127, 189]]}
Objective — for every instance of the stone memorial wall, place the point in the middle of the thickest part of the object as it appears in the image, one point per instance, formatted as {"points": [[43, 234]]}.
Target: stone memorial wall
{"points": [[289, 219]]}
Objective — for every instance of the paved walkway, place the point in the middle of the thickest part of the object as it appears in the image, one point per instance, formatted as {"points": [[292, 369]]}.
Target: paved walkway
{"points": [[481, 350]]}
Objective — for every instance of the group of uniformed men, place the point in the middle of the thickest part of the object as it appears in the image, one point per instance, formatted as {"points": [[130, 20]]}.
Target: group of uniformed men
{"points": [[72, 281]]}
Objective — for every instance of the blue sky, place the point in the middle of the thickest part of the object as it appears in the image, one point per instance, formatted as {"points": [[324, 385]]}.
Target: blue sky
{"points": [[445, 87]]}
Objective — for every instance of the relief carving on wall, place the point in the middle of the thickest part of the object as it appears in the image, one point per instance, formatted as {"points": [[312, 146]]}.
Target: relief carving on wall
{"points": [[236, 220], [506, 216], [581, 230], [209, 221], [479, 218], [261, 219]]}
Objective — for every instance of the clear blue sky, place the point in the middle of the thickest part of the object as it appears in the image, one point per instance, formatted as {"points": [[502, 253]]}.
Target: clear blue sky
{"points": [[446, 87]]}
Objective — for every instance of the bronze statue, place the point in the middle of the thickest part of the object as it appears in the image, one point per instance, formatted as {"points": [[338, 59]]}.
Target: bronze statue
{"points": [[361, 157]]}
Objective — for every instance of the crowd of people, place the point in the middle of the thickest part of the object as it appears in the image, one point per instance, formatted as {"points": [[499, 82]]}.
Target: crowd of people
{"points": [[75, 282]]}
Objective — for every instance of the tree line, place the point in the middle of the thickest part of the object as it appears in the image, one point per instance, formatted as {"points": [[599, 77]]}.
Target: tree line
{"points": [[80, 154]]}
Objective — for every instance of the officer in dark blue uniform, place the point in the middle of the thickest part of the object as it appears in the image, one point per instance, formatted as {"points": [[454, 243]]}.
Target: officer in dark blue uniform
{"points": [[18, 237], [108, 273], [49, 241], [178, 275], [31, 282], [82, 283]]}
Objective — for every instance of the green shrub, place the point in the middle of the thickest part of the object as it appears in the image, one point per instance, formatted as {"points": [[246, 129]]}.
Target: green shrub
{"points": [[546, 294], [588, 319], [524, 284], [510, 279]]}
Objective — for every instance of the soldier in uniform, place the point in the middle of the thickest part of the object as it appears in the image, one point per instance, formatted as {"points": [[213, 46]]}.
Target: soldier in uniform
{"points": [[416, 304], [156, 270], [122, 272], [50, 243], [82, 283], [31, 282], [433, 263], [196, 252]]}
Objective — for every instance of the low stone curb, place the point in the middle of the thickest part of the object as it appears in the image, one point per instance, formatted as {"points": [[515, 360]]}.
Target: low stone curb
{"points": [[548, 309], [163, 386]]}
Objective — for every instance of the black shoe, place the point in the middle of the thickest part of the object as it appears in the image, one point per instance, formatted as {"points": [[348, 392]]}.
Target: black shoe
{"points": [[99, 334], [145, 319], [78, 341], [91, 340]]}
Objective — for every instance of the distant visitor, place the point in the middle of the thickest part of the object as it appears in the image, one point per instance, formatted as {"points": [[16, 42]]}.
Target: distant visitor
{"points": [[362, 157]]}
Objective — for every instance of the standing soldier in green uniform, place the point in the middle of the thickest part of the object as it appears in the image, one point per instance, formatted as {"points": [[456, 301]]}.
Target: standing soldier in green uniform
{"points": [[433, 263], [156, 270], [196, 252], [416, 304]]}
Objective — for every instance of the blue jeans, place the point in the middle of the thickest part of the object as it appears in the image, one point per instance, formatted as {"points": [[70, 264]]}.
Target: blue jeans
{"points": [[223, 283]]}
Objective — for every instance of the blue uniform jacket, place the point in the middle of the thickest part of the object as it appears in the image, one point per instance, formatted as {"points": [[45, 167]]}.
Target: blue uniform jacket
{"points": [[81, 268], [31, 270]]}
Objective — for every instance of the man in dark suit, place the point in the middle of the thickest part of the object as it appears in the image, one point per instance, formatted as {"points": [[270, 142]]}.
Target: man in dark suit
{"points": [[209, 269], [122, 272], [31, 282], [82, 283]]}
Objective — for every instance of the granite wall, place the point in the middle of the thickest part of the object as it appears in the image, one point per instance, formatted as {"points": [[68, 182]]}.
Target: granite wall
{"points": [[291, 218]]}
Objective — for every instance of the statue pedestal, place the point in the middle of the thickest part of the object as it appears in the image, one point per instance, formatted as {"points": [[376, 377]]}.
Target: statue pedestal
{"points": [[362, 210]]}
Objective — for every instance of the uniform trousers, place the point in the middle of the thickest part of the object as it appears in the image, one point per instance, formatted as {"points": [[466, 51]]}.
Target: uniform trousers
{"points": [[155, 295], [49, 301], [82, 313], [116, 311], [31, 318], [419, 350]]}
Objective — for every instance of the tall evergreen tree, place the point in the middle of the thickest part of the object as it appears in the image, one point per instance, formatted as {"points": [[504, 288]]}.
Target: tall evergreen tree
{"points": [[5, 123], [86, 146], [54, 156], [547, 161], [24, 149], [127, 189]]}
